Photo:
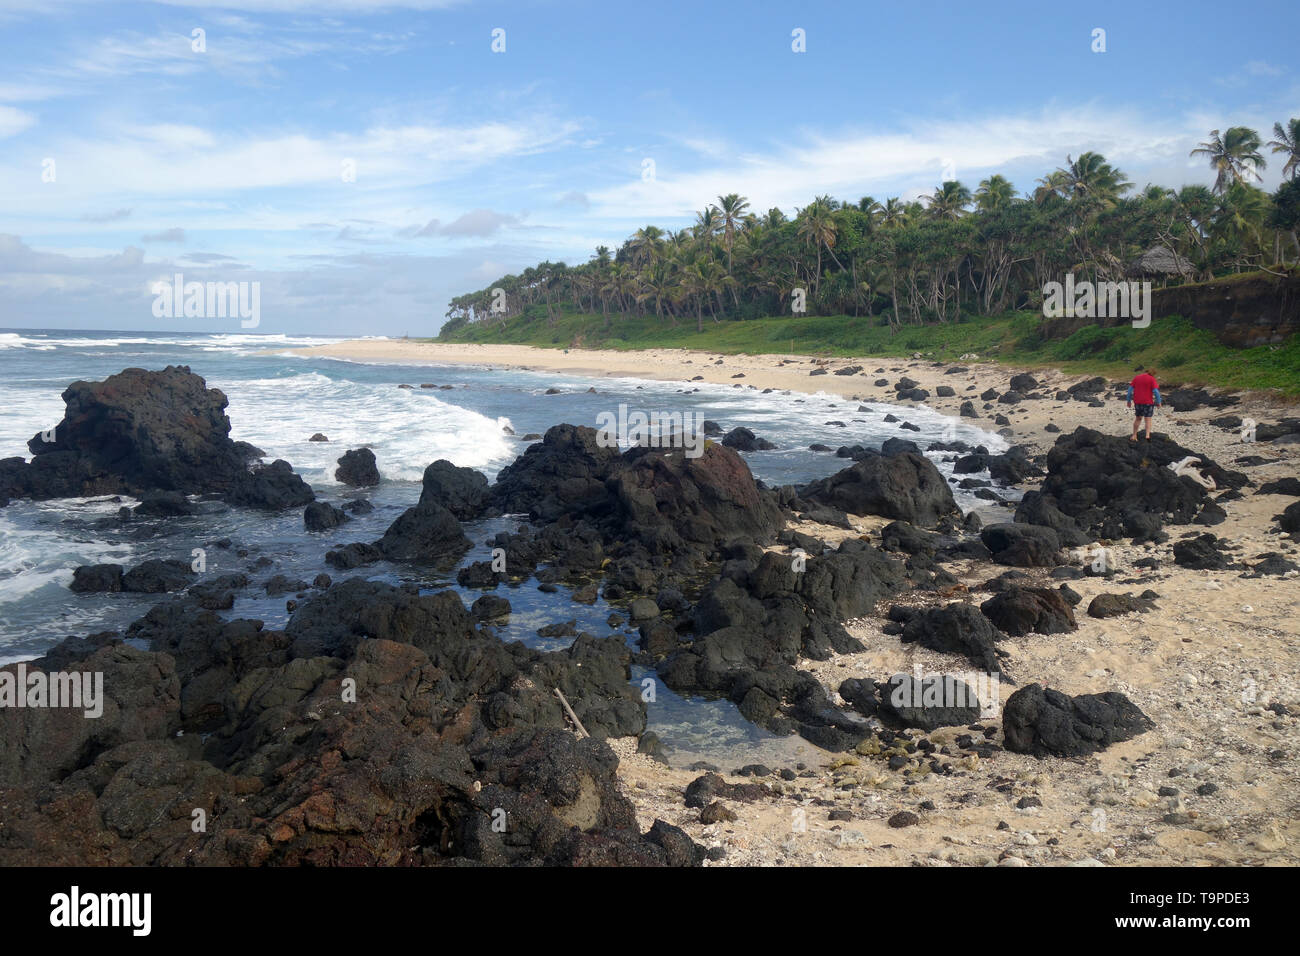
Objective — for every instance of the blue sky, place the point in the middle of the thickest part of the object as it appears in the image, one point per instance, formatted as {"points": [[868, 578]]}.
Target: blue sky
{"points": [[226, 164]]}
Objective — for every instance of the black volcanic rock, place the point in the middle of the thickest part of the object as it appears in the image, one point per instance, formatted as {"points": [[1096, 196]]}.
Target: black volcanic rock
{"points": [[953, 629], [1114, 488], [1036, 509], [562, 474], [354, 555], [1022, 610], [158, 576], [462, 491], [1202, 553], [1022, 545], [742, 439], [1114, 605], [938, 700], [165, 504], [906, 486], [381, 727], [1045, 722], [427, 533], [1290, 485], [1012, 466], [893, 446], [752, 625], [671, 503], [96, 578], [1289, 519], [320, 516], [357, 468], [270, 487], [140, 432]]}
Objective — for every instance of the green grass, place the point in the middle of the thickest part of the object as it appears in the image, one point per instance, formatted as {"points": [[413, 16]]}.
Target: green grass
{"points": [[1182, 353]]}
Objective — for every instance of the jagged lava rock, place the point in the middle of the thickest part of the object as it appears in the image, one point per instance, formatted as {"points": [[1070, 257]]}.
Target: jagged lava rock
{"points": [[906, 486], [139, 432], [1045, 722]]}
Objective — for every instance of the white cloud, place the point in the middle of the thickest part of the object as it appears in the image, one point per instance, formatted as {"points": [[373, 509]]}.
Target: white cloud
{"points": [[316, 6], [114, 215], [14, 121], [169, 160], [1261, 68], [478, 223], [175, 234], [854, 163]]}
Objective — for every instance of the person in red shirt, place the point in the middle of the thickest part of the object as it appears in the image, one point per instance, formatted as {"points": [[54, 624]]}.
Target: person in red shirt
{"points": [[1143, 392]]}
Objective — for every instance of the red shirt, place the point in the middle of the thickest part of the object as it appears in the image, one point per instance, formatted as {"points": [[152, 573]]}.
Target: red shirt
{"points": [[1143, 387]]}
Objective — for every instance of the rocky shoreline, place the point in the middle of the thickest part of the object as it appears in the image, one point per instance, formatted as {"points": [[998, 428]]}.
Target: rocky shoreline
{"points": [[386, 726]]}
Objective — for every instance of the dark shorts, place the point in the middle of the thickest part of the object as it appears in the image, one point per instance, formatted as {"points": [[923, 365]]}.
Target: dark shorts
{"points": [[1144, 411]]}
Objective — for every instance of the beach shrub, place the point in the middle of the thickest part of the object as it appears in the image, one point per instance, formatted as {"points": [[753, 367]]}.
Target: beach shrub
{"points": [[1085, 343]]}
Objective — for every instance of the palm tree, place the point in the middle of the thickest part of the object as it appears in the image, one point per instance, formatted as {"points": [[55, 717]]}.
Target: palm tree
{"points": [[949, 201], [995, 192], [619, 284], [657, 283], [600, 264], [646, 244], [733, 208], [1234, 156], [1288, 142], [694, 285], [894, 213], [707, 224], [1239, 220], [1053, 185], [1092, 179], [715, 280], [817, 228]]}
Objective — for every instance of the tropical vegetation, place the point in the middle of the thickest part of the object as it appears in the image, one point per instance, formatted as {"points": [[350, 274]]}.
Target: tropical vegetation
{"points": [[951, 254]]}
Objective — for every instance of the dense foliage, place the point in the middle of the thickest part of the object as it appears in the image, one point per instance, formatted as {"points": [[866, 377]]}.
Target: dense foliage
{"points": [[912, 263]]}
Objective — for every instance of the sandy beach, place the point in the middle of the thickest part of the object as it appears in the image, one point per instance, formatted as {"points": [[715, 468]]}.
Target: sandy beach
{"points": [[1027, 421], [1215, 664]]}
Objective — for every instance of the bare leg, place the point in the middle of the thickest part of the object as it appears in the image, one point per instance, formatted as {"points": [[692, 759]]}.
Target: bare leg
{"points": [[1137, 423]]}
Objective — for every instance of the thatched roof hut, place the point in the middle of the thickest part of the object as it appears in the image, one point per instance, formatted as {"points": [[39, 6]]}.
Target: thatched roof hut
{"points": [[1160, 262]]}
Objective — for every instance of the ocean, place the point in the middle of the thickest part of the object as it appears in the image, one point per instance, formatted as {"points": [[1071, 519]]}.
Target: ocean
{"points": [[279, 400]]}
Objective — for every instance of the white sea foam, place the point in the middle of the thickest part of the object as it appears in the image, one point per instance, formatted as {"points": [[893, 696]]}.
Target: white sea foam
{"points": [[35, 551], [219, 342], [405, 428]]}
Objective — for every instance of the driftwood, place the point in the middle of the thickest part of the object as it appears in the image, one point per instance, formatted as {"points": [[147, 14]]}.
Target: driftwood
{"points": [[582, 731]]}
